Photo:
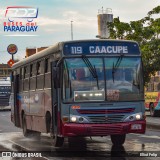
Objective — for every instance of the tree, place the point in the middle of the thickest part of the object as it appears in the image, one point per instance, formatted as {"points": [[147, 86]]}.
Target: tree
{"points": [[146, 32]]}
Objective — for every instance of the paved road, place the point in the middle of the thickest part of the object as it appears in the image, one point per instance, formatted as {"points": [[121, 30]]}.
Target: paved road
{"points": [[152, 122], [5, 123], [11, 139], [86, 148]]}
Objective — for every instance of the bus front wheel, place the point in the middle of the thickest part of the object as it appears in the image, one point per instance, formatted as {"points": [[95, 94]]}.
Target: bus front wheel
{"points": [[118, 139], [58, 141], [26, 132]]}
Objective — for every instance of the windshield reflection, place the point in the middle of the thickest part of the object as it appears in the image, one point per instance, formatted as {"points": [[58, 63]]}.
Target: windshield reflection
{"points": [[127, 79], [80, 85]]}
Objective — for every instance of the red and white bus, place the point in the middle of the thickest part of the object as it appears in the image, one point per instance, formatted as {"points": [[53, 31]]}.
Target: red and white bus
{"points": [[80, 88]]}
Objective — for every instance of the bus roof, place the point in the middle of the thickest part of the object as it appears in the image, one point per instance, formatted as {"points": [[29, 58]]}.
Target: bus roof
{"points": [[61, 48]]}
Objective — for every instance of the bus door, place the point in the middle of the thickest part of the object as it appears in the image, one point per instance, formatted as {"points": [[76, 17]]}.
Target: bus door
{"points": [[16, 101], [55, 103]]}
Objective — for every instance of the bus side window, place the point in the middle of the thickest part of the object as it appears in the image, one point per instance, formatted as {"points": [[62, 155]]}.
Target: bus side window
{"points": [[40, 67], [40, 74], [33, 76], [25, 70], [21, 80], [31, 70], [47, 81], [34, 70], [26, 78], [47, 65]]}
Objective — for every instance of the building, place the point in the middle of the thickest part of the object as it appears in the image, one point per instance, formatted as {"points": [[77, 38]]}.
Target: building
{"points": [[5, 70], [31, 51]]}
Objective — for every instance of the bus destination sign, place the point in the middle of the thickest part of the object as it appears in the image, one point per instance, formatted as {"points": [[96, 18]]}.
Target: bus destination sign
{"points": [[101, 47]]}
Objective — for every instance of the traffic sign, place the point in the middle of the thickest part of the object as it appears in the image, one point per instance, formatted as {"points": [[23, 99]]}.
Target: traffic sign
{"points": [[10, 62], [12, 49]]}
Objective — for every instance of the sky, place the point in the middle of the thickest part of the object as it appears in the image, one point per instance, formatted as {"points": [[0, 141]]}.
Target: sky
{"points": [[54, 21]]}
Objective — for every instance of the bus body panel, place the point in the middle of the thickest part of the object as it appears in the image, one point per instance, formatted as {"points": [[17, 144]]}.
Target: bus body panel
{"points": [[71, 129], [101, 118], [32, 105]]}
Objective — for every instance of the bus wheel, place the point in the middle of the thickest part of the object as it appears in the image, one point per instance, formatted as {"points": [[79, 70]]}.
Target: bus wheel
{"points": [[58, 141], [151, 108], [118, 139], [36, 135], [26, 132]]}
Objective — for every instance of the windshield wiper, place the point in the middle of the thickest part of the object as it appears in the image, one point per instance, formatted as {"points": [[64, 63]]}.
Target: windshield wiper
{"points": [[116, 66], [91, 68]]}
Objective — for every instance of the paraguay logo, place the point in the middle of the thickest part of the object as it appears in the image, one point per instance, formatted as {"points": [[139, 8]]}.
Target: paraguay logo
{"points": [[20, 19]]}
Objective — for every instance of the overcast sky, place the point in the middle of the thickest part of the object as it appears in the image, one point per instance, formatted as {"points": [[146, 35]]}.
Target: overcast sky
{"points": [[55, 16]]}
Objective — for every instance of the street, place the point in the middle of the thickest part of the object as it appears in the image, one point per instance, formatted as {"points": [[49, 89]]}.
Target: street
{"points": [[5, 123], [145, 146]]}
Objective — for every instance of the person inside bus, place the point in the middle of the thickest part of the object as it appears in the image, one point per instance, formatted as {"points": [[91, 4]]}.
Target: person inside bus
{"points": [[80, 74], [118, 75]]}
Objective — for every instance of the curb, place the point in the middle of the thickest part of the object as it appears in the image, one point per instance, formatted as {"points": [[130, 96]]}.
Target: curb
{"points": [[152, 125]]}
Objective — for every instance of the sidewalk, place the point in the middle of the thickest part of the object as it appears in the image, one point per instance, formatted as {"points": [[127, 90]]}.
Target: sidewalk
{"points": [[152, 122]]}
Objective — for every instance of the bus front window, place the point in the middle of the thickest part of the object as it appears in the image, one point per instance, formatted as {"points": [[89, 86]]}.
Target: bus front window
{"points": [[124, 80], [83, 81]]}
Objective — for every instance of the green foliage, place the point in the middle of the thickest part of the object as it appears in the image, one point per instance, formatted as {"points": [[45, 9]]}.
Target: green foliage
{"points": [[146, 32]]}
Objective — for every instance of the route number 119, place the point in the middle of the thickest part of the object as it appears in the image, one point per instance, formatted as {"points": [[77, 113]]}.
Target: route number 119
{"points": [[76, 50]]}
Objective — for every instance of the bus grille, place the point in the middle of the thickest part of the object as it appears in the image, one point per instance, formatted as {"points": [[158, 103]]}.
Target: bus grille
{"points": [[106, 119], [105, 111], [116, 129]]}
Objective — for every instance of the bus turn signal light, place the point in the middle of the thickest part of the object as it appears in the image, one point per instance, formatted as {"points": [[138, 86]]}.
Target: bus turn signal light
{"points": [[75, 107]]}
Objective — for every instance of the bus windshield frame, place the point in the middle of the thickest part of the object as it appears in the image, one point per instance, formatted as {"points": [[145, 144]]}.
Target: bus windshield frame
{"points": [[87, 88]]}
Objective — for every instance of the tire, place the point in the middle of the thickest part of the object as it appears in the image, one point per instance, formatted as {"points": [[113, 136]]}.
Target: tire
{"points": [[26, 132], [151, 109], [58, 141], [36, 135], [118, 140]]}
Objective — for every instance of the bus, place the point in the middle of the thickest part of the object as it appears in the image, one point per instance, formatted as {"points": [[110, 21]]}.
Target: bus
{"points": [[152, 96], [80, 88], [5, 90]]}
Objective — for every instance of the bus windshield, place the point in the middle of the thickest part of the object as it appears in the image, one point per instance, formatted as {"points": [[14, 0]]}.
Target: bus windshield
{"points": [[125, 80], [80, 84]]}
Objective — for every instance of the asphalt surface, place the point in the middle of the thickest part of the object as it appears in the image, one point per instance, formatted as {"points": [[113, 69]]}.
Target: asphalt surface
{"points": [[152, 122], [11, 138]]}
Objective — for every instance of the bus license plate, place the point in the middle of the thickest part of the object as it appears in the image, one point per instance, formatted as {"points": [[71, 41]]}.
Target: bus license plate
{"points": [[136, 126]]}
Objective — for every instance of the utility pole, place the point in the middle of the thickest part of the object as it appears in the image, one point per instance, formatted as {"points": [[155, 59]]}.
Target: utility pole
{"points": [[71, 30]]}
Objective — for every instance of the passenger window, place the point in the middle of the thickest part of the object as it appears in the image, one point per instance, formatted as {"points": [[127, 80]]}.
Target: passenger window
{"points": [[47, 65], [38, 68], [24, 72], [31, 70]]}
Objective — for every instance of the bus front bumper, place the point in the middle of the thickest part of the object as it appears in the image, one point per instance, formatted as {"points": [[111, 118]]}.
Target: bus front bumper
{"points": [[76, 129]]}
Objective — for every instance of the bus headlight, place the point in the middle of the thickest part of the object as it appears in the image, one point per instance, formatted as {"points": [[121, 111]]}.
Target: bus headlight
{"points": [[78, 119], [134, 117], [73, 119], [138, 117]]}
